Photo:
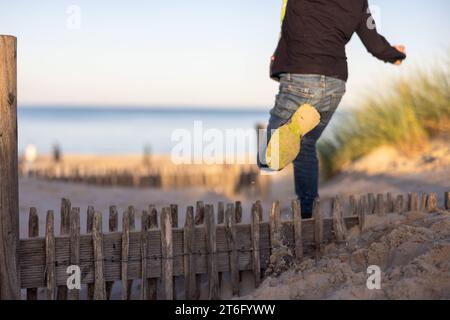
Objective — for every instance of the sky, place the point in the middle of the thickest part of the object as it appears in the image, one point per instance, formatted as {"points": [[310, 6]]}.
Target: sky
{"points": [[198, 53]]}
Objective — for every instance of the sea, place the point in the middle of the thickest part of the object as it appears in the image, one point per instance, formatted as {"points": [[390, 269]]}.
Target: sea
{"points": [[126, 130]]}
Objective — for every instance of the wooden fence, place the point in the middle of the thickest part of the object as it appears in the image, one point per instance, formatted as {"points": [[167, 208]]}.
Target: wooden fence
{"points": [[212, 242], [227, 179]]}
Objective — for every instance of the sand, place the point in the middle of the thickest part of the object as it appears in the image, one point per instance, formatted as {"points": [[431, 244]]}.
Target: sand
{"points": [[412, 251]]}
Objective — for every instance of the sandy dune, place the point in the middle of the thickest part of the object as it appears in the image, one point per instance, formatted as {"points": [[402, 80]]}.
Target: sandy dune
{"points": [[412, 251]]}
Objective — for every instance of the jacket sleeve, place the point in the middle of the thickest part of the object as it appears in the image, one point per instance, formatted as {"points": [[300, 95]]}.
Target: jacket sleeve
{"points": [[375, 43]]}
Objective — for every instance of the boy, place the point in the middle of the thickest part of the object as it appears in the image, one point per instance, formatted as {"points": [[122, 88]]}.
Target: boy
{"points": [[311, 65]]}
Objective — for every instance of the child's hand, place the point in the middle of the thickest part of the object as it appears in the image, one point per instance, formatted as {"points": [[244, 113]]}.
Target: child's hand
{"points": [[402, 49]]}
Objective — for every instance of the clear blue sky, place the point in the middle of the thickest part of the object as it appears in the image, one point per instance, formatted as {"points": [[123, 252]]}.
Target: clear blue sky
{"points": [[189, 53]]}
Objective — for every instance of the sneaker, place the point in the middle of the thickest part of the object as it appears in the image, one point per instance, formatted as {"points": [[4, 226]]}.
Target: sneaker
{"points": [[284, 144]]}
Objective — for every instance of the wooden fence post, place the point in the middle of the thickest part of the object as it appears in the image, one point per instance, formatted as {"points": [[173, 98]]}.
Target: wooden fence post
{"points": [[125, 253], [132, 216], [9, 191], [64, 231], [231, 235], [50, 267], [152, 282], [255, 230], [112, 224], [398, 205], [74, 231], [447, 201], [188, 246], [318, 227], [413, 201], [298, 239], [174, 215], [389, 203], [167, 254], [89, 228], [33, 232], [144, 254], [380, 208], [423, 202], [211, 244], [432, 202], [97, 237], [199, 220], [339, 227]]}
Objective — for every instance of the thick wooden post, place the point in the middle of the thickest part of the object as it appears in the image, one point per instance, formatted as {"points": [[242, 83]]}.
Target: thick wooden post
{"points": [[9, 191]]}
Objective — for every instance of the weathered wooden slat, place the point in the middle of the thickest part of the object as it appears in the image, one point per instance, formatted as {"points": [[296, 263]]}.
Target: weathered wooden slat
{"points": [[213, 276], [144, 253], [371, 203], [33, 232], [380, 206], [297, 216], [64, 230], [132, 216], [174, 214], [97, 238], [153, 282], [199, 220], [188, 245], [199, 213], [220, 221], [231, 236], [9, 182], [167, 254], [447, 201], [275, 226], [413, 201], [398, 205], [74, 231], [256, 244], [32, 251], [361, 213], [125, 253], [353, 206], [340, 230], [238, 208], [113, 224], [89, 228], [432, 202], [50, 255], [389, 203], [318, 227], [423, 202], [220, 212]]}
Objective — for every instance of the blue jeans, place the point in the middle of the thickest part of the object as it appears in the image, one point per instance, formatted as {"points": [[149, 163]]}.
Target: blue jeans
{"points": [[323, 93]]}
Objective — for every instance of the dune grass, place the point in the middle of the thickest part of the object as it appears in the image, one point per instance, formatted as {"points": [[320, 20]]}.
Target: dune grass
{"points": [[417, 109]]}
